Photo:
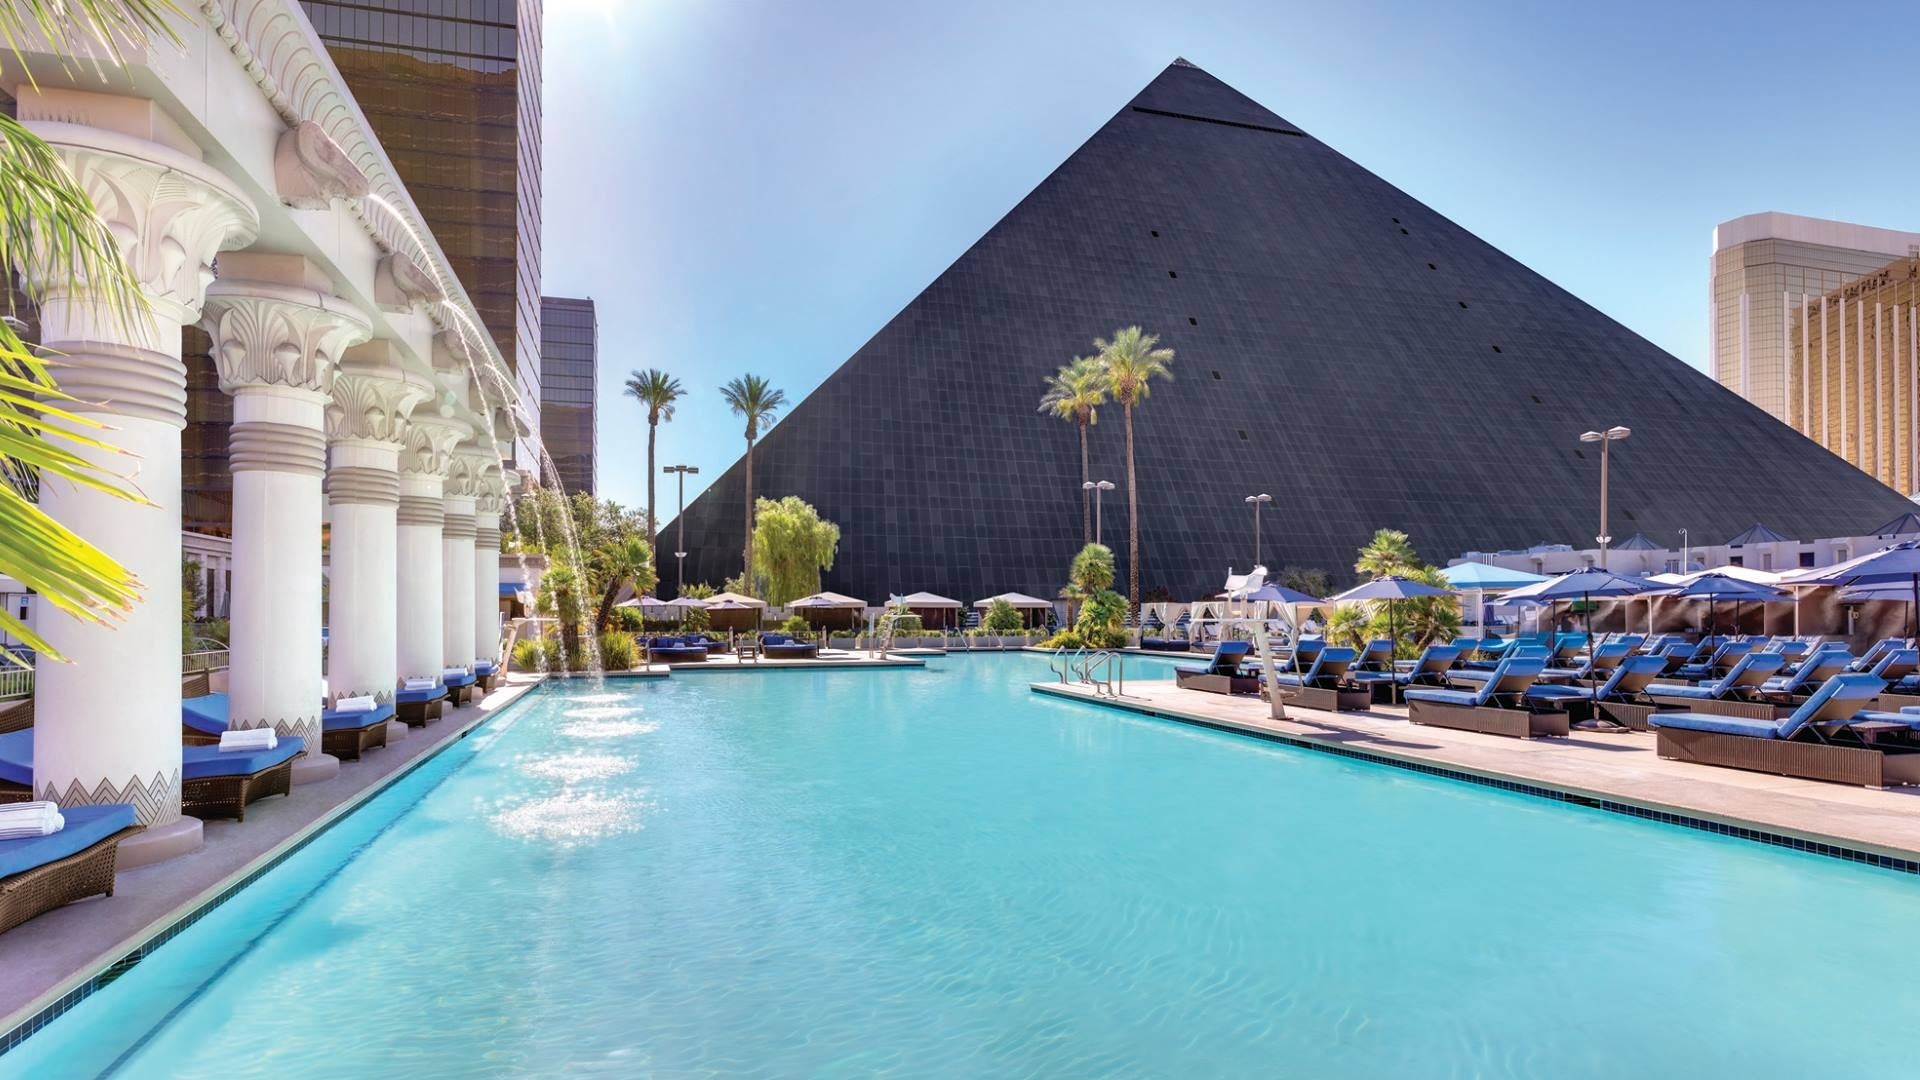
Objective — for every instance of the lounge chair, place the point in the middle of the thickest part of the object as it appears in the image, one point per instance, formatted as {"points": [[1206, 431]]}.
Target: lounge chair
{"points": [[489, 674], [1566, 647], [346, 735], [782, 647], [418, 708], [1826, 738], [1599, 663], [40, 873], [1430, 670], [1472, 677], [1737, 693], [673, 650], [1808, 676], [1223, 674], [1717, 661], [1325, 685], [212, 783], [1160, 644], [1304, 653], [1499, 707], [1465, 649], [460, 687], [1875, 651], [1377, 656], [1621, 699]]}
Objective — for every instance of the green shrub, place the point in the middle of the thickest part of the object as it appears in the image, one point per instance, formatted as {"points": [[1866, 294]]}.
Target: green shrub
{"points": [[617, 651], [796, 627], [628, 620], [1002, 618], [1065, 639], [530, 654], [1103, 620]]}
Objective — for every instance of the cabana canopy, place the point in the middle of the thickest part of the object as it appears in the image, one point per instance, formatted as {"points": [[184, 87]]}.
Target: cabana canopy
{"points": [[828, 600], [686, 602], [928, 600], [1488, 577], [746, 601], [1019, 600]]}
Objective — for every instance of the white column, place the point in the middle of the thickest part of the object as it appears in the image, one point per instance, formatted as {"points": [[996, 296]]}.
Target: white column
{"points": [[486, 569], [366, 421], [108, 727], [276, 341], [421, 516], [456, 578]]}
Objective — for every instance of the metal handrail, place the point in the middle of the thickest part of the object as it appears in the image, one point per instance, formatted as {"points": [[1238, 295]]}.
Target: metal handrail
{"points": [[15, 681]]}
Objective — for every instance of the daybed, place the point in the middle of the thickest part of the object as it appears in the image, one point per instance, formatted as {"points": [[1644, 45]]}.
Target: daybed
{"points": [[1499, 707], [1826, 738], [38, 874]]}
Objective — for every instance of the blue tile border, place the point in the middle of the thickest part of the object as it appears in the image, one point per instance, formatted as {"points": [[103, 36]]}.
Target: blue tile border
{"points": [[57, 1008], [1685, 821]]}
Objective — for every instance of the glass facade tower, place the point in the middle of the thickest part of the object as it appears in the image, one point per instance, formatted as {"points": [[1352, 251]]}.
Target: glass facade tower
{"points": [[569, 347]]}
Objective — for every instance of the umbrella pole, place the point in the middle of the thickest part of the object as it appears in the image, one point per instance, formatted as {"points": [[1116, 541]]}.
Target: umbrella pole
{"points": [[1914, 624]]}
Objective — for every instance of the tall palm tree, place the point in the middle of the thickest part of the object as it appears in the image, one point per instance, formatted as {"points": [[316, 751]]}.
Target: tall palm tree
{"points": [[50, 230], [1132, 360], [657, 390], [1075, 393], [754, 398]]}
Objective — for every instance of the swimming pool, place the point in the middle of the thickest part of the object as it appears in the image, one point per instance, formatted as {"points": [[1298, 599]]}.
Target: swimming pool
{"points": [[940, 873]]}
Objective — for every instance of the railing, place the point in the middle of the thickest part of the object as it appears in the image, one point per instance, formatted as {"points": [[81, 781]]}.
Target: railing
{"points": [[204, 660], [1105, 670], [15, 681]]}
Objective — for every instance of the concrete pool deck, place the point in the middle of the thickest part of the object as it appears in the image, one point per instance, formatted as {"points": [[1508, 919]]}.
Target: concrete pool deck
{"points": [[1617, 768], [49, 956]]}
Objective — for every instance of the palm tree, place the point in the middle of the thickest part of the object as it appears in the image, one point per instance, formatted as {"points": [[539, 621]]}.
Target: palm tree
{"points": [[754, 398], [1132, 361], [1075, 394], [657, 390], [1389, 552], [626, 561], [50, 229]]}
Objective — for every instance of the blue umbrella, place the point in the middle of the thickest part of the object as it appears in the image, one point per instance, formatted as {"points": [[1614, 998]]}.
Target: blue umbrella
{"points": [[1715, 587], [1583, 584], [1897, 564], [1389, 588]]}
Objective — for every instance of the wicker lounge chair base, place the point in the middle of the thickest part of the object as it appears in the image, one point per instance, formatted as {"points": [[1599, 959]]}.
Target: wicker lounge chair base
{"points": [[349, 744], [228, 796], [1883, 703], [1627, 715], [1514, 723], [16, 717], [417, 713], [1217, 684], [85, 873], [1343, 699], [1863, 766], [1746, 710]]}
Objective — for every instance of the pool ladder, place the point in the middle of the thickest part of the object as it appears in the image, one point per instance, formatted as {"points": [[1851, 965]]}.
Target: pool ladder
{"points": [[1104, 669]]}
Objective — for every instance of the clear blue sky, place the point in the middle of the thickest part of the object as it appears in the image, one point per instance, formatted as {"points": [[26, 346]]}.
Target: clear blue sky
{"points": [[759, 186]]}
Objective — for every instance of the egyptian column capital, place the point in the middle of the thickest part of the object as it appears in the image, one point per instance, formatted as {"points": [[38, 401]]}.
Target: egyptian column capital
{"points": [[274, 334], [372, 407], [430, 442]]}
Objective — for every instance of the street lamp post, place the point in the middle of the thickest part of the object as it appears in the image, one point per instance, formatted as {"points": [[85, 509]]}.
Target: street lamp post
{"points": [[1606, 439], [1686, 560], [1097, 486], [680, 544], [1257, 501]]}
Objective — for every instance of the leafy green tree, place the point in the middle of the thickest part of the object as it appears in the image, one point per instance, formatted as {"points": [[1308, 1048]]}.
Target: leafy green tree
{"points": [[1389, 552], [656, 390], [791, 546], [1075, 394], [560, 599], [619, 562], [754, 398], [1002, 618], [1132, 360], [1306, 580], [1350, 626]]}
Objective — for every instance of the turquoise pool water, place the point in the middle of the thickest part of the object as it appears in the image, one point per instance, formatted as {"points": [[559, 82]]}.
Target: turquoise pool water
{"points": [[939, 873]]}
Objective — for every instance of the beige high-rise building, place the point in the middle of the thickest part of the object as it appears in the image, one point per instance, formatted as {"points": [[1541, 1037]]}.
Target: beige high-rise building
{"points": [[1766, 268], [1853, 371]]}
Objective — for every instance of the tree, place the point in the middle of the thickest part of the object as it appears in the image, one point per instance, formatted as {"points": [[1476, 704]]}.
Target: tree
{"points": [[791, 545], [755, 398], [617, 563], [1075, 394], [560, 598], [1102, 621], [50, 230], [1092, 571], [1349, 627], [657, 391], [1304, 579], [1002, 618], [1132, 360], [1389, 552]]}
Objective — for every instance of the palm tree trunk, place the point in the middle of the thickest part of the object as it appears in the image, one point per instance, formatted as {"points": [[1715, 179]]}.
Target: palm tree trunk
{"points": [[1086, 497], [1133, 522], [653, 523], [747, 548]]}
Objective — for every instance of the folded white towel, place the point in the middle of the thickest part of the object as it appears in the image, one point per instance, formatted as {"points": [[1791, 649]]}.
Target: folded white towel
{"points": [[47, 826], [454, 673], [251, 739], [421, 684], [326, 691], [37, 809], [364, 703]]}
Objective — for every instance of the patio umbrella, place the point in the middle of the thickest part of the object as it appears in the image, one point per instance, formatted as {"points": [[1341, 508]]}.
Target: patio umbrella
{"points": [[1899, 564], [1584, 585], [1716, 587], [684, 604], [1391, 588]]}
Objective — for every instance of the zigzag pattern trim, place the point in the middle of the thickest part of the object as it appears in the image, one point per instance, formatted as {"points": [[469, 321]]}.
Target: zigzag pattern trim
{"points": [[305, 728], [155, 802]]}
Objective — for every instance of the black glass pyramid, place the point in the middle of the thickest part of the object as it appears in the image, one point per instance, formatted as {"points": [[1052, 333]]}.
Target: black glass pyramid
{"points": [[1340, 346]]}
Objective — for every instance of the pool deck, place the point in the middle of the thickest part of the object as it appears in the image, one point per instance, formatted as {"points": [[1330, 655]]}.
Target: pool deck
{"points": [[1619, 768], [48, 956]]}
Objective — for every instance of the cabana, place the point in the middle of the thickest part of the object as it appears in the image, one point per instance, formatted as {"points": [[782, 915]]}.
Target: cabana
{"points": [[1032, 609], [731, 611], [1481, 580], [934, 610], [830, 610]]}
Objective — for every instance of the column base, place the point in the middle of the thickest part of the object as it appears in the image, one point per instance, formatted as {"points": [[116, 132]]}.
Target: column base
{"points": [[313, 768], [396, 731], [159, 843]]}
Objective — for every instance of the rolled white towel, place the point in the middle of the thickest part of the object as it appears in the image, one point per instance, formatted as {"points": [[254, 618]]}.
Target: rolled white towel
{"points": [[26, 827], [9, 812], [414, 683], [454, 673], [364, 703], [248, 740]]}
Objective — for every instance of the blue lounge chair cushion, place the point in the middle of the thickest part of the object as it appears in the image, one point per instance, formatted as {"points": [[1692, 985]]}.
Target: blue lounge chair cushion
{"points": [[485, 667], [1443, 697], [460, 680], [1837, 699], [415, 697], [1703, 692], [1725, 725], [207, 713], [334, 720], [16, 758], [1557, 692], [86, 826], [200, 762]]}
